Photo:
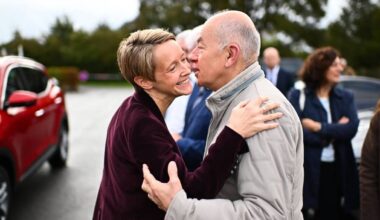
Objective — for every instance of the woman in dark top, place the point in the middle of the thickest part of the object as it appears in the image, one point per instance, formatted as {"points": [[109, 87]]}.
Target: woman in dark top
{"points": [[330, 121], [157, 68], [370, 171]]}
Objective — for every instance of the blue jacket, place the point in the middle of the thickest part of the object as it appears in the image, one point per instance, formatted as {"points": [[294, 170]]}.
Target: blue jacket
{"points": [[194, 134], [285, 81], [340, 135]]}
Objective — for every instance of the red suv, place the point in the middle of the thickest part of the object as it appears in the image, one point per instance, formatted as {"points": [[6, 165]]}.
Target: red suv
{"points": [[33, 123]]}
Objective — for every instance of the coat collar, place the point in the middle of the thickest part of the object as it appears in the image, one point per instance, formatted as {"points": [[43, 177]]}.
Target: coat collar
{"points": [[142, 97], [240, 82], [335, 92]]}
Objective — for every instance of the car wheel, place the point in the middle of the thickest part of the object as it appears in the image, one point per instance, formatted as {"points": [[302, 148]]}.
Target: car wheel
{"points": [[59, 158], [5, 193]]}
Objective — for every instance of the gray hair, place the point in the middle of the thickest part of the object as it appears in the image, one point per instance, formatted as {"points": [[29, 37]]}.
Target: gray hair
{"points": [[192, 38], [183, 35]]}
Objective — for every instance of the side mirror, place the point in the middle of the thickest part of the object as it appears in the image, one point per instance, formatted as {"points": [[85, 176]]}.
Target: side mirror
{"points": [[22, 98]]}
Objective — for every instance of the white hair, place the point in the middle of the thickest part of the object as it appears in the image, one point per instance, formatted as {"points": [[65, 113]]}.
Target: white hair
{"points": [[192, 38], [183, 35]]}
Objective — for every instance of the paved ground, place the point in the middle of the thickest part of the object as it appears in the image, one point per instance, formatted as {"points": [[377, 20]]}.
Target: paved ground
{"points": [[70, 194]]}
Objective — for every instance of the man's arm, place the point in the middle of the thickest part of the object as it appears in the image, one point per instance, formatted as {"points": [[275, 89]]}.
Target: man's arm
{"points": [[269, 182]]}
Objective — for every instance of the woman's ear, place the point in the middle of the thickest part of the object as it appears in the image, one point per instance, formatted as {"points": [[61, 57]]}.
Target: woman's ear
{"points": [[233, 51], [143, 83]]}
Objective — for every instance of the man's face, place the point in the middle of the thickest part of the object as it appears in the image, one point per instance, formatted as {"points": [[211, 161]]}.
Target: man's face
{"points": [[271, 59], [207, 60], [172, 70]]}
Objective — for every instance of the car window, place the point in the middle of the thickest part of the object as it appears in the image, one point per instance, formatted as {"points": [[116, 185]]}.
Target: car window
{"points": [[36, 80], [12, 84], [22, 78], [366, 93]]}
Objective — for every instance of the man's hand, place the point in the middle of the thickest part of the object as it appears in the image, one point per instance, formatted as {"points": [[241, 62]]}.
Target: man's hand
{"points": [[176, 136], [161, 193], [311, 125]]}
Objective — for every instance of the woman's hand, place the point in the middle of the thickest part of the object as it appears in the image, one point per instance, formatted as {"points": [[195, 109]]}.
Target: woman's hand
{"points": [[251, 117], [311, 125]]}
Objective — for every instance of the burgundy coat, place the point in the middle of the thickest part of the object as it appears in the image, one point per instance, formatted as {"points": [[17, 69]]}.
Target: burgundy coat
{"points": [[370, 172], [137, 134]]}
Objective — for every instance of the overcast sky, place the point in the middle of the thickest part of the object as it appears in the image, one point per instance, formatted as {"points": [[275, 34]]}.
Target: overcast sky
{"points": [[34, 18]]}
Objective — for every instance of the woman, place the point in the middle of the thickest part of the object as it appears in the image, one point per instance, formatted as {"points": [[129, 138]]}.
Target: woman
{"points": [[157, 67], [330, 121], [370, 171]]}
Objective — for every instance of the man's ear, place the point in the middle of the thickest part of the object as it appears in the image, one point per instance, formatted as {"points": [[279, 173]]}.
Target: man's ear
{"points": [[233, 52], [143, 83]]}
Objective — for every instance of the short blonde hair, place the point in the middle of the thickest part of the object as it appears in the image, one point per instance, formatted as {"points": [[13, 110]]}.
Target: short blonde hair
{"points": [[135, 53]]}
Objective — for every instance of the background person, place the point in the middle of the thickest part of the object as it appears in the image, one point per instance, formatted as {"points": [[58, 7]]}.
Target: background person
{"points": [[370, 171], [175, 114], [330, 121], [281, 78], [192, 140]]}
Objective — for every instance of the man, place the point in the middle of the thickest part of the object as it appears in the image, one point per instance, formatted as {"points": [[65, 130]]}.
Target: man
{"points": [[192, 140], [267, 181], [175, 115], [282, 79]]}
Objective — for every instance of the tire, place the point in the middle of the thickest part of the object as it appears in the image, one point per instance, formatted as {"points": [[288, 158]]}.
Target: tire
{"points": [[59, 158], [5, 193]]}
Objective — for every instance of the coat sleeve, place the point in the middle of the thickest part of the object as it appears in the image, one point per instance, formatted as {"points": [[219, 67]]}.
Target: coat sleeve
{"points": [[268, 181], [154, 146], [369, 172], [347, 131], [311, 139]]}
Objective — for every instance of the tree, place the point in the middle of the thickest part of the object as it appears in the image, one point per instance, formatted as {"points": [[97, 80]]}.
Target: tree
{"points": [[294, 19], [357, 35]]}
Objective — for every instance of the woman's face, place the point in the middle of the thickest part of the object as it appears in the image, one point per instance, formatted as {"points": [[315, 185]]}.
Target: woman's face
{"points": [[172, 70], [333, 72]]}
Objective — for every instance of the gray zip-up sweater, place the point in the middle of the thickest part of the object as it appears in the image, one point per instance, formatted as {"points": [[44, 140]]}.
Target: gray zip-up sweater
{"points": [[267, 182]]}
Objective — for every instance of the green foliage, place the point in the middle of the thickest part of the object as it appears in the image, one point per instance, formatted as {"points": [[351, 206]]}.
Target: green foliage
{"points": [[289, 25], [357, 36], [67, 76]]}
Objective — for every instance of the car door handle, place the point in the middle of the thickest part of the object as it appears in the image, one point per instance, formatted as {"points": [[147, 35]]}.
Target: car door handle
{"points": [[39, 113]]}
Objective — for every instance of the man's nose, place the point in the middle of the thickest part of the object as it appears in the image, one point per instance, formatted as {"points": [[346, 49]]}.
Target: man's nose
{"points": [[193, 55]]}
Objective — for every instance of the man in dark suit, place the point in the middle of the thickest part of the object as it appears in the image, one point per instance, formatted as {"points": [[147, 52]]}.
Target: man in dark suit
{"points": [[192, 140], [282, 79]]}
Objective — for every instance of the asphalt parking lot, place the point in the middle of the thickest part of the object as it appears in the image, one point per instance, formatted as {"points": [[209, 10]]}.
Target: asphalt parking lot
{"points": [[70, 193]]}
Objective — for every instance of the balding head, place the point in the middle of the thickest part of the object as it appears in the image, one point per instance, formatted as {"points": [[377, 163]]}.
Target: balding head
{"points": [[236, 27], [271, 57]]}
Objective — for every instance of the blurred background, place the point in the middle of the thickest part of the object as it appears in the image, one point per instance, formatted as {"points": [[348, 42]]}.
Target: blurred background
{"points": [[82, 36], [77, 42]]}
